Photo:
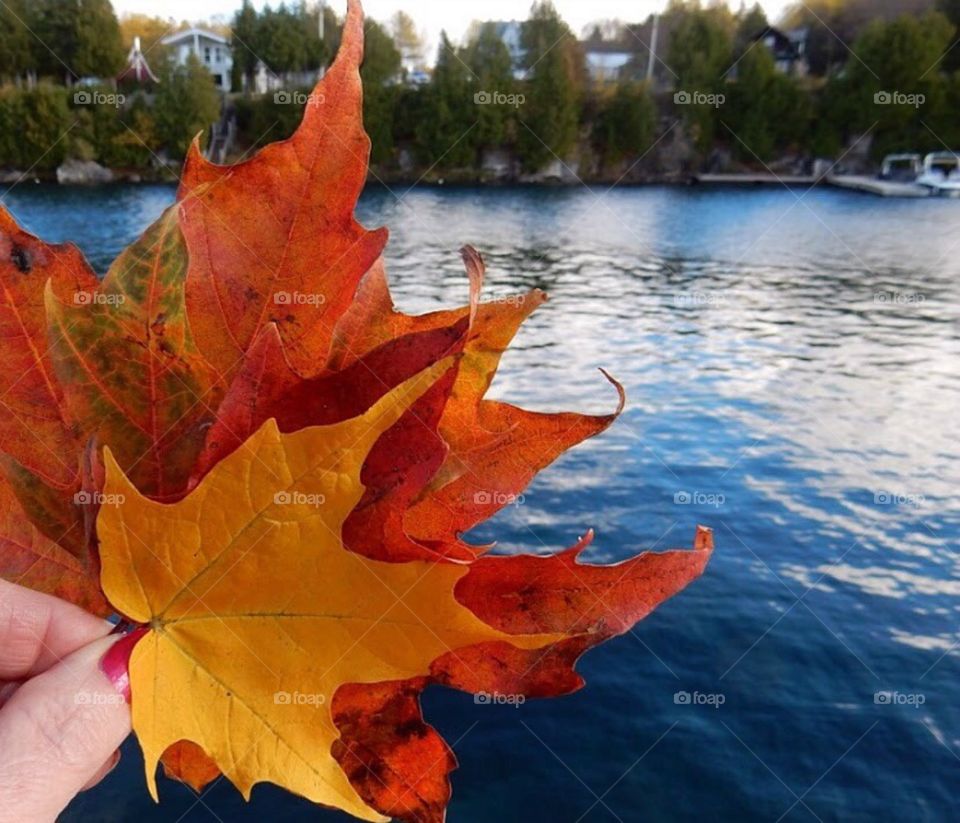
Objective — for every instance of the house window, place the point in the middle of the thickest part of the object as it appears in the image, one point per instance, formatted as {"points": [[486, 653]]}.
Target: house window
{"points": [[206, 54], [216, 53]]}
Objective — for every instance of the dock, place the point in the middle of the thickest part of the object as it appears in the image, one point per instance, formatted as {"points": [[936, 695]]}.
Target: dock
{"points": [[851, 182], [874, 185], [756, 179]]}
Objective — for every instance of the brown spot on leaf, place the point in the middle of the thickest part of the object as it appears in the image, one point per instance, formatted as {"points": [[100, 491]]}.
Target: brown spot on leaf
{"points": [[21, 258]]}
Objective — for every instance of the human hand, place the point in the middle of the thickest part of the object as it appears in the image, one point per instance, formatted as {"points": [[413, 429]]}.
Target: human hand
{"points": [[61, 718]]}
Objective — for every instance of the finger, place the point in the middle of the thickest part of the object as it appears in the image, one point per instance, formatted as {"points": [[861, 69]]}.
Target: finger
{"points": [[37, 630], [56, 733], [103, 771]]}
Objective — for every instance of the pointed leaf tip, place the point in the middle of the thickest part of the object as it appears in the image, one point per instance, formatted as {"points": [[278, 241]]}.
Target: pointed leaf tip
{"points": [[621, 392]]}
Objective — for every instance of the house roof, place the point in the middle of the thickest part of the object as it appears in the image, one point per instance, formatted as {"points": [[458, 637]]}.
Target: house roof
{"points": [[786, 45], [137, 70], [608, 47], [189, 34]]}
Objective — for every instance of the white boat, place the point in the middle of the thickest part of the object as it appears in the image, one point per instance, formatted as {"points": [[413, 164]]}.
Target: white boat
{"points": [[903, 168], [941, 173]]}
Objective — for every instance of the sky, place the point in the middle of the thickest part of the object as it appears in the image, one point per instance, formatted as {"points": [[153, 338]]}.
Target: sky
{"points": [[433, 15]]}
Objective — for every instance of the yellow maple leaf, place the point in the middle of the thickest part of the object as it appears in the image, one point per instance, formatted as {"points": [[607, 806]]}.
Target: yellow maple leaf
{"points": [[257, 613]]}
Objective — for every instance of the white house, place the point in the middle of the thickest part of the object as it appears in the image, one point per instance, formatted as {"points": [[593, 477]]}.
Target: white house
{"points": [[212, 50], [605, 60]]}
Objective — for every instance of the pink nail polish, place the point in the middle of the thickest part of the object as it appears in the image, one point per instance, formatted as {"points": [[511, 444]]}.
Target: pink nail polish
{"points": [[116, 661]]}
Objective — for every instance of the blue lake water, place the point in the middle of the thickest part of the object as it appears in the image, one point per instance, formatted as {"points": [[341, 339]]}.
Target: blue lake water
{"points": [[792, 362]]}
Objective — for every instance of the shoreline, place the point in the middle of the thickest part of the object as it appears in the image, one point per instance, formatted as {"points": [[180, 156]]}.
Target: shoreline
{"points": [[13, 179]]}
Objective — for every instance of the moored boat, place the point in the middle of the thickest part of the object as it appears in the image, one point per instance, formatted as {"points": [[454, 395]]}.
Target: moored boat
{"points": [[941, 173]]}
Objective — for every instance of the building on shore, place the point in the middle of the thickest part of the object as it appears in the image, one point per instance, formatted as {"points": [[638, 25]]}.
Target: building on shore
{"points": [[137, 73], [211, 49]]}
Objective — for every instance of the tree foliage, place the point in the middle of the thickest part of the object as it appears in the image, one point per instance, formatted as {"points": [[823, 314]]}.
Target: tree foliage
{"points": [[15, 40], [187, 103], [34, 127], [379, 73], [491, 66], [286, 39], [75, 38], [625, 123], [453, 112], [553, 86], [765, 111], [895, 89]]}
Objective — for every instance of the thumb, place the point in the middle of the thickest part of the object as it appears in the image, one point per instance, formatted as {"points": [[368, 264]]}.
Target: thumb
{"points": [[56, 734]]}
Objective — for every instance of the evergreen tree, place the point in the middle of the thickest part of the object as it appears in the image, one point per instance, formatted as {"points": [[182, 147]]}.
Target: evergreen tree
{"points": [[489, 60], [99, 48], [555, 70], [332, 29], [951, 10], [379, 73], [903, 88], [447, 135], [625, 123], [187, 103], [765, 110], [700, 54], [318, 53], [14, 40], [750, 24], [282, 40], [55, 24], [32, 124], [243, 44], [76, 38]]}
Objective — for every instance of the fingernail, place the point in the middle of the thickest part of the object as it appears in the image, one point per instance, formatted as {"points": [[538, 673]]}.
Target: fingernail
{"points": [[115, 663]]}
